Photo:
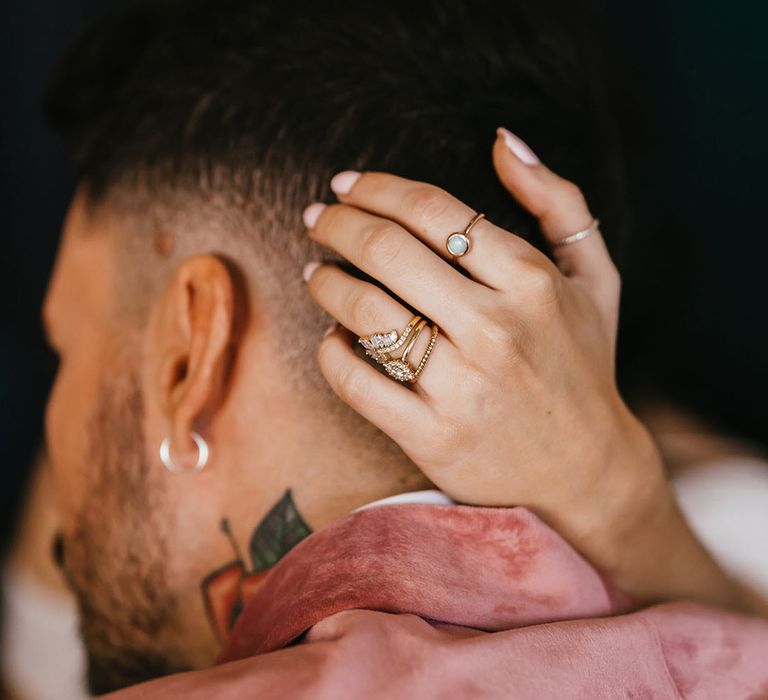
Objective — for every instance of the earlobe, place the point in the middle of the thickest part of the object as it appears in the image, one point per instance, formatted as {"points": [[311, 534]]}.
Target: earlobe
{"points": [[202, 455], [195, 332]]}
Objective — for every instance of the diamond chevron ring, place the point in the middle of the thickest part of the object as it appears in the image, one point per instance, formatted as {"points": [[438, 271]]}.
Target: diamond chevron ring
{"points": [[379, 346], [458, 242]]}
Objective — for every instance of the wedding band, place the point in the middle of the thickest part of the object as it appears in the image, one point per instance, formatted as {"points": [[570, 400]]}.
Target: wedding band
{"points": [[458, 243], [409, 345], [578, 236], [379, 346]]}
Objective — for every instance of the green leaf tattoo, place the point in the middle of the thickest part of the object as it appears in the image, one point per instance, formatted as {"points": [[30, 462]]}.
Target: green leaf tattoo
{"points": [[228, 590], [280, 530]]}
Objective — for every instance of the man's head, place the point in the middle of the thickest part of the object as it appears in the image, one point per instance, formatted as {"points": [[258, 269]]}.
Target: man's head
{"points": [[200, 130]]}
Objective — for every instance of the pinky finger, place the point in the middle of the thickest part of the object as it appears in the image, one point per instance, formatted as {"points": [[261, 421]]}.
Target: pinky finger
{"points": [[386, 403]]}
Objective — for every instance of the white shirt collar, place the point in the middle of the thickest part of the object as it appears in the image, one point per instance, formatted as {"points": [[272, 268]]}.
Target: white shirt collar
{"points": [[433, 496]]}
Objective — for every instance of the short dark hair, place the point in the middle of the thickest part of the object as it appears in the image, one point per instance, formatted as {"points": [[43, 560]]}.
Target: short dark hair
{"points": [[258, 103]]}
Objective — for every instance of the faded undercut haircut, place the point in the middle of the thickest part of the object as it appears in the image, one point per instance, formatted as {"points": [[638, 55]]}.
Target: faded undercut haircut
{"points": [[223, 119]]}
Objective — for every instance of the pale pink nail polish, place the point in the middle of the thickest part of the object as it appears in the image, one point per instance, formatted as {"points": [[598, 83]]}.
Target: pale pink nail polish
{"points": [[311, 213], [341, 183], [518, 147], [330, 329], [309, 270]]}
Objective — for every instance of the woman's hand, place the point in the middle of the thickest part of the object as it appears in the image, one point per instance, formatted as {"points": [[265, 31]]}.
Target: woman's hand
{"points": [[517, 404]]}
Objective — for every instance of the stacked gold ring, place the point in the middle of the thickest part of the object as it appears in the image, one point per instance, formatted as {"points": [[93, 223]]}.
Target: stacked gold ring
{"points": [[379, 346]]}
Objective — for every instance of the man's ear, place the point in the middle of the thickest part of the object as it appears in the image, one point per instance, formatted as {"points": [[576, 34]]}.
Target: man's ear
{"points": [[192, 338]]}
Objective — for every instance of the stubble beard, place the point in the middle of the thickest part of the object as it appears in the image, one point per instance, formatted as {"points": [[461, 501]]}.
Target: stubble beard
{"points": [[116, 558]]}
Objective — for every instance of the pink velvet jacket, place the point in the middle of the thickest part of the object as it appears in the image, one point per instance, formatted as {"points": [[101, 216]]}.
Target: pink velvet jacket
{"points": [[427, 601]]}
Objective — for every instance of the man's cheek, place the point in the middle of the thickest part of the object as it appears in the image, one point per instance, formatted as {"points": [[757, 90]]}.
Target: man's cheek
{"points": [[66, 429]]}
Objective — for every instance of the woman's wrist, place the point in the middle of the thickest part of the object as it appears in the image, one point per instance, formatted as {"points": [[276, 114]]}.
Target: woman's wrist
{"points": [[650, 551], [631, 502], [664, 560]]}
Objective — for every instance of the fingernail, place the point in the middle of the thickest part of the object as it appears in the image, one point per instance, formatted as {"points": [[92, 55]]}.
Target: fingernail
{"points": [[341, 183], [518, 147], [309, 270], [330, 329], [311, 213]]}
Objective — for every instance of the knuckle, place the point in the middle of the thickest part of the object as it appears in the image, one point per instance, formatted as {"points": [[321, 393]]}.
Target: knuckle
{"points": [[426, 202], [497, 335], [352, 385], [571, 192], [540, 283], [381, 244], [498, 342], [563, 196], [360, 308]]}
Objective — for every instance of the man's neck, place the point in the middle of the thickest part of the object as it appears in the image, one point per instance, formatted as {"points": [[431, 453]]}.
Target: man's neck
{"points": [[332, 470], [294, 513]]}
